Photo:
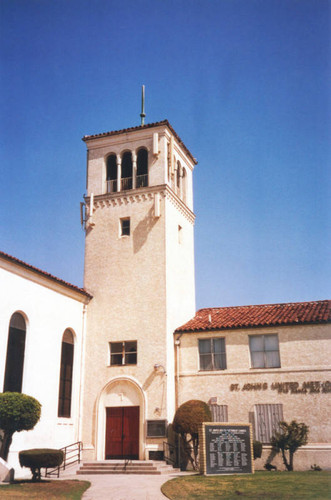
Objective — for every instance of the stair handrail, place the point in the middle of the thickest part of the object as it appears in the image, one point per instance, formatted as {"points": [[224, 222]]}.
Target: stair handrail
{"points": [[70, 457], [169, 453]]}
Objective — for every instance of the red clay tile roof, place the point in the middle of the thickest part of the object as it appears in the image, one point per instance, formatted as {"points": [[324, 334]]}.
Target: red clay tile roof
{"points": [[140, 127], [10, 258], [222, 318]]}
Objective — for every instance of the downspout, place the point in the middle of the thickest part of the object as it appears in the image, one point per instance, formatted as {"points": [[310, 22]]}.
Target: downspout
{"points": [[177, 344], [82, 374]]}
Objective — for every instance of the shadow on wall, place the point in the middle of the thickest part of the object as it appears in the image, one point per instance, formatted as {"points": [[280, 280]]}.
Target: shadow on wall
{"points": [[140, 234], [160, 378]]}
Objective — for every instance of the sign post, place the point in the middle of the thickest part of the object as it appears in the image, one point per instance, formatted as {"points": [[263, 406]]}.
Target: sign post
{"points": [[226, 448]]}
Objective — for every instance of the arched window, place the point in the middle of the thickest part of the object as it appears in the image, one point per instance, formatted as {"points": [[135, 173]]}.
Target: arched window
{"points": [[178, 174], [184, 184], [126, 170], [142, 168], [111, 174], [15, 354], [67, 361]]}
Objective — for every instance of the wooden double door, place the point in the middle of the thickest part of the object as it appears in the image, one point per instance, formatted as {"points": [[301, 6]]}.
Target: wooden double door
{"points": [[122, 432]]}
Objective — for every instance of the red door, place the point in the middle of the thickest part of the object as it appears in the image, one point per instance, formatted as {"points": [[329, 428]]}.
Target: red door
{"points": [[122, 432]]}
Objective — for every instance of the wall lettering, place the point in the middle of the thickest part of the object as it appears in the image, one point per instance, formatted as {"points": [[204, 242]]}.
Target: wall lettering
{"points": [[311, 387]]}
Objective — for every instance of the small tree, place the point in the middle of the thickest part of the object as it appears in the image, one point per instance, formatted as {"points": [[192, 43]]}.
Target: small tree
{"points": [[18, 412], [40, 458], [290, 437], [186, 423]]}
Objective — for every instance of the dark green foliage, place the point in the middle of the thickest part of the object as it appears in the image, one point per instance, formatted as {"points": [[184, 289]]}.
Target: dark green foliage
{"points": [[37, 458], [257, 449], [187, 419], [290, 437], [189, 415], [18, 412]]}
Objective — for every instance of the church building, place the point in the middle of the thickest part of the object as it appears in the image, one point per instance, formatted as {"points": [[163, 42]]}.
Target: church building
{"points": [[111, 362]]}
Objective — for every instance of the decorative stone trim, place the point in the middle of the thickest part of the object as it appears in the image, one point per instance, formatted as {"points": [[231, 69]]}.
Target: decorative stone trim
{"points": [[137, 196]]}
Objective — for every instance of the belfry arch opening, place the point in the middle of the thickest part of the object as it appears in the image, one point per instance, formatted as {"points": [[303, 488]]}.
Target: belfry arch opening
{"points": [[126, 181], [142, 168], [111, 174]]}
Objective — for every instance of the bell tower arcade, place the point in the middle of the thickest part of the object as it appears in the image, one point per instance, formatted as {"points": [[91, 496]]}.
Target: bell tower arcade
{"points": [[139, 267]]}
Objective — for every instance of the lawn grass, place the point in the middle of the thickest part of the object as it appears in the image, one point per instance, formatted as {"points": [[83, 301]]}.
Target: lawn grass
{"points": [[45, 490], [261, 485]]}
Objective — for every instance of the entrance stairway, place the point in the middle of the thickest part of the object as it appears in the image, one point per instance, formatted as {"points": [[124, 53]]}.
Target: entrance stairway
{"points": [[126, 467]]}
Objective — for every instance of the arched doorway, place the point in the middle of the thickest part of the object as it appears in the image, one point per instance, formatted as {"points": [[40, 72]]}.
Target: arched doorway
{"points": [[120, 421]]}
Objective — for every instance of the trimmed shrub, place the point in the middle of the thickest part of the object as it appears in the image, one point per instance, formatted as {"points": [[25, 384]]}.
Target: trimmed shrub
{"points": [[38, 458], [18, 412], [186, 423], [290, 437], [257, 449]]}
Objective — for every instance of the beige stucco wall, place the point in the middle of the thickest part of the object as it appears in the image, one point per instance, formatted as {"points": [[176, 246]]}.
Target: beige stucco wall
{"points": [[137, 283], [305, 353]]}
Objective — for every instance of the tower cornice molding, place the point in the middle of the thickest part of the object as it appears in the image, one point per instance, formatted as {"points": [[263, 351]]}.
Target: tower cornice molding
{"points": [[139, 195]]}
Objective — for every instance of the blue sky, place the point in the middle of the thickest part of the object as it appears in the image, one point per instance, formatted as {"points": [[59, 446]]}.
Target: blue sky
{"points": [[245, 85]]}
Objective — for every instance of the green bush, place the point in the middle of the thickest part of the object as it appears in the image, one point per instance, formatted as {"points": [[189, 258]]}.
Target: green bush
{"points": [[257, 449], [290, 437], [18, 412], [38, 458], [187, 419]]}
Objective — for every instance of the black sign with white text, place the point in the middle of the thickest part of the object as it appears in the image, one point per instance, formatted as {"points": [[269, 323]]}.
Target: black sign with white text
{"points": [[228, 449]]}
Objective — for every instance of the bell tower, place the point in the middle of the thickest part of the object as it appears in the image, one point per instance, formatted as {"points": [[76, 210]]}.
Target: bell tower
{"points": [[139, 267]]}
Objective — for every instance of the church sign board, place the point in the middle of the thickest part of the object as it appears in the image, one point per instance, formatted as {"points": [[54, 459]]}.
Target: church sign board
{"points": [[226, 448]]}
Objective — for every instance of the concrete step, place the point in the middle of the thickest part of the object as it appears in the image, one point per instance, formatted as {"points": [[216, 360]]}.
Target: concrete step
{"points": [[120, 467]]}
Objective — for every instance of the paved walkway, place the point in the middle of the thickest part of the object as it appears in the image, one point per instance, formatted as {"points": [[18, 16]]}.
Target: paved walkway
{"points": [[123, 486]]}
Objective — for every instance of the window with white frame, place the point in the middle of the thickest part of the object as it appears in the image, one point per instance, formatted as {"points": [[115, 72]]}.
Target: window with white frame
{"points": [[212, 354], [264, 351], [123, 353], [266, 421]]}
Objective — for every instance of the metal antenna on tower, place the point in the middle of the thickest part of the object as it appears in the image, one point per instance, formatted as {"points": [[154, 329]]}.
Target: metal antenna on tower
{"points": [[142, 114]]}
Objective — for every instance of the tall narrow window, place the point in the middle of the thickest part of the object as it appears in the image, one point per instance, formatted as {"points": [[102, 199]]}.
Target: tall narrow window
{"points": [[15, 354], [184, 185], [125, 226], [126, 171], [111, 174], [142, 168], [267, 418], [67, 360], [178, 174]]}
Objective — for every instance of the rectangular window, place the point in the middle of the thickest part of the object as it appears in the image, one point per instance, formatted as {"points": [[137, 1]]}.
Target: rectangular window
{"points": [[156, 428], [125, 227], [266, 421], [219, 413], [212, 354], [264, 351], [123, 353]]}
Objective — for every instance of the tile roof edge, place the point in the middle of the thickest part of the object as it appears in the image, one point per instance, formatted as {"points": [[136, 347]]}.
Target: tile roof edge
{"points": [[45, 274], [265, 305], [141, 127], [252, 325]]}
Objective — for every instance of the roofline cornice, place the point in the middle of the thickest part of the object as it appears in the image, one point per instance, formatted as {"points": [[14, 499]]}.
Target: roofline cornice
{"points": [[163, 123], [21, 268]]}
